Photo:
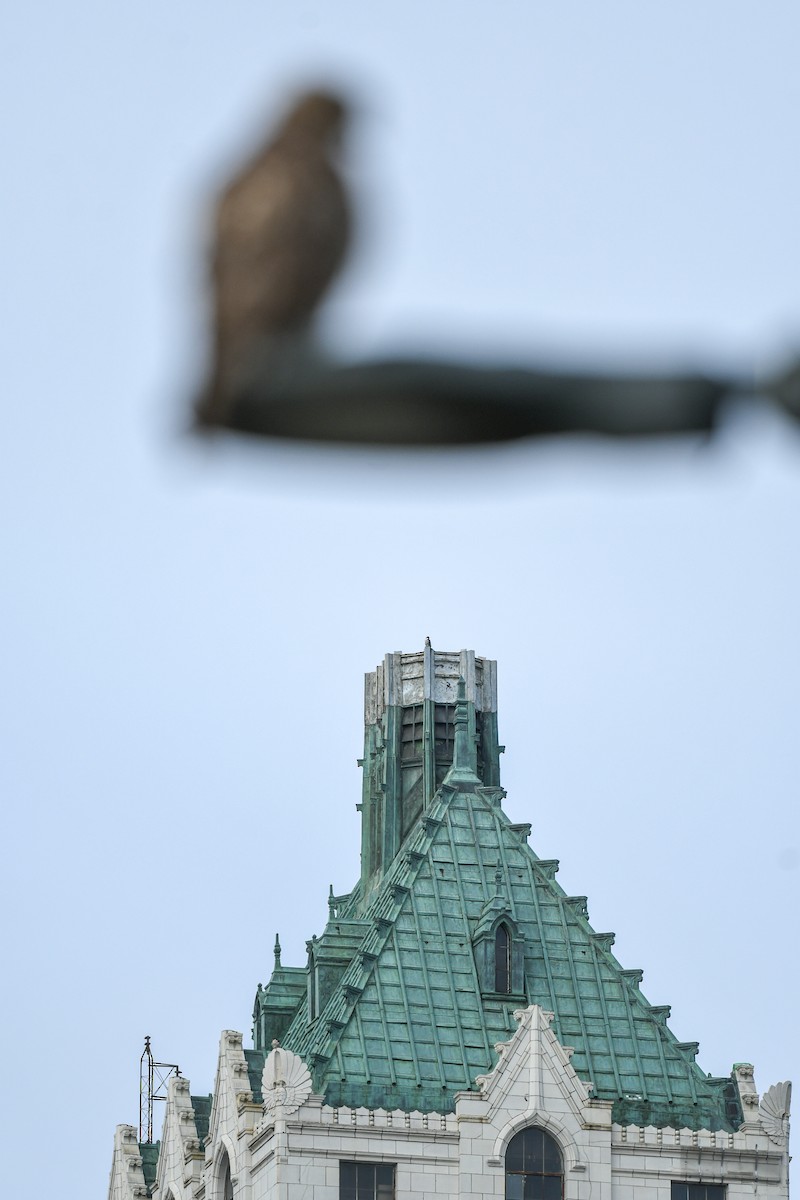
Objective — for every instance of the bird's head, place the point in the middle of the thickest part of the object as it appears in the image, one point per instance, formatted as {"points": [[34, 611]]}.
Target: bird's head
{"points": [[317, 117]]}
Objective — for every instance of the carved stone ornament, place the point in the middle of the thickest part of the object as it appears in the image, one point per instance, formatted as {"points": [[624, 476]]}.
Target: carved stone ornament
{"points": [[285, 1082], [744, 1074], [774, 1111]]}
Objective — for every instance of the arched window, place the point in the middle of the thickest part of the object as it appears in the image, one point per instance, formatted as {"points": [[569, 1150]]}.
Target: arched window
{"points": [[502, 959], [534, 1167]]}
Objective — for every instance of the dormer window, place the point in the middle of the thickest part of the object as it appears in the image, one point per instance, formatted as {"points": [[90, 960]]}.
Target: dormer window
{"points": [[502, 959], [499, 948]]}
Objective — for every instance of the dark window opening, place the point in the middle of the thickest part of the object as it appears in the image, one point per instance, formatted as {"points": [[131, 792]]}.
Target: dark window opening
{"points": [[411, 734], [534, 1167], [444, 716], [502, 959], [366, 1181], [479, 744], [227, 1182], [698, 1191]]}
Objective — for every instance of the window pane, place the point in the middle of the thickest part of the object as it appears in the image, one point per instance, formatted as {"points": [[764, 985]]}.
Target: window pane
{"points": [[347, 1181], [384, 1176], [514, 1155], [680, 1191], [697, 1191], [534, 1150], [515, 1185], [552, 1155], [502, 960], [551, 1187], [542, 1187], [533, 1186], [366, 1182]]}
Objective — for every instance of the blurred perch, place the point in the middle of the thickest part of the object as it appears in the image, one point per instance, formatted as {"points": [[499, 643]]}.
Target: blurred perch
{"points": [[420, 402]]}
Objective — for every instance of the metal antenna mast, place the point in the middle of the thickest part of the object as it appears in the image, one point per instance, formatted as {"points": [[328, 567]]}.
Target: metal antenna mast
{"points": [[153, 1078]]}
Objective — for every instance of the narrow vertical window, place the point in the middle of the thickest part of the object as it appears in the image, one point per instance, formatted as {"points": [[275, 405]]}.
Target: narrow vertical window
{"points": [[502, 959], [411, 733], [534, 1168], [227, 1182]]}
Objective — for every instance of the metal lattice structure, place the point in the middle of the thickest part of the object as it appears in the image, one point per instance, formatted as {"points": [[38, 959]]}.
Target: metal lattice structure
{"points": [[153, 1079]]}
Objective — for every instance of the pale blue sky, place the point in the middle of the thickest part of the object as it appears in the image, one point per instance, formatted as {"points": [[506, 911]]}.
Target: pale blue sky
{"points": [[185, 629]]}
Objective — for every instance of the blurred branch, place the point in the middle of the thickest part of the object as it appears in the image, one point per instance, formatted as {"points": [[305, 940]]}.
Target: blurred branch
{"points": [[419, 402]]}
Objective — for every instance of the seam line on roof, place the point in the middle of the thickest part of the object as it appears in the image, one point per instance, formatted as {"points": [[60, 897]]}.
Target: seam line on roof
{"points": [[388, 1043], [362, 1040], [501, 850], [663, 1058], [428, 993], [411, 1041], [384, 1026], [535, 892], [578, 998], [629, 1001], [450, 980], [606, 1021], [475, 980], [478, 851]]}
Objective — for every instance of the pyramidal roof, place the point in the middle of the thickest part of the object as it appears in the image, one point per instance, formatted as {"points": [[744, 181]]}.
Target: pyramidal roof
{"points": [[405, 1010]]}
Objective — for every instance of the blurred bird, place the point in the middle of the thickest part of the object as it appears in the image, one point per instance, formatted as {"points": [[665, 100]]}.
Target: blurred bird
{"points": [[281, 231]]}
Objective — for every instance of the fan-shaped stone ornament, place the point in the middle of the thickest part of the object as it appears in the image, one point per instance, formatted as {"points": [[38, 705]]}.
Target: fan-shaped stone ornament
{"points": [[285, 1081], [774, 1110]]}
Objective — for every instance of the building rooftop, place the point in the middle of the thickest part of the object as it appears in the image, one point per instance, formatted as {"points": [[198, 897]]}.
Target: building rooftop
{"points": [[401, 1004]]}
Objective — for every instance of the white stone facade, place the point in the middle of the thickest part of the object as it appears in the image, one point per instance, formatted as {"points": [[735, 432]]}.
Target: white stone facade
{"points": [[289, 1146]]}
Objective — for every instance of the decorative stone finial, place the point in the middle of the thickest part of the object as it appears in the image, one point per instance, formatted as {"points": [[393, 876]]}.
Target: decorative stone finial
{"points": [[277, 951]]}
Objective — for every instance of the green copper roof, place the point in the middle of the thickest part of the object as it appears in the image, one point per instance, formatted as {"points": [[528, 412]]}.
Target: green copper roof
{"points": [[409, 1022], [202, 1113], [400, 1007]]}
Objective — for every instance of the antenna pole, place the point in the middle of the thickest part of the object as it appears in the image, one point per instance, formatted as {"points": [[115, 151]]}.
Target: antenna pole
{"points": [[153, 1079]]}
